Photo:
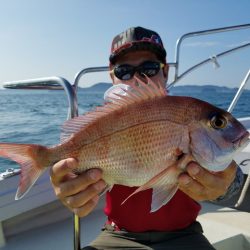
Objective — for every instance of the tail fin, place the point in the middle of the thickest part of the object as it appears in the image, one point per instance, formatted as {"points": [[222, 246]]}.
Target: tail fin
{"points": [[33, 160]]}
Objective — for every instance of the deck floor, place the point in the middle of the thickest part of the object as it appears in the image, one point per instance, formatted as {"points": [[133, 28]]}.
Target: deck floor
{"points": [[58, 235], [226, 222]]}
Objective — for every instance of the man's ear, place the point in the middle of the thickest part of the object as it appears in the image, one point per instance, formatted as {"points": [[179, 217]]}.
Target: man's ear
{"points": [[111, 76], [110, 73], [165, 70]]}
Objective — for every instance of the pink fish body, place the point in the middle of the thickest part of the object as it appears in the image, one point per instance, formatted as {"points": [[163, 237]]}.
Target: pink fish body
{"points": [[136, 139]]}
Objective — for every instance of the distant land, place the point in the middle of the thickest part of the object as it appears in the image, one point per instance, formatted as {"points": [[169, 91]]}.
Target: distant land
{"points": [[103, 86], [176, 89], [51, 85], [98, 87], [48, 85], [202, 89]]}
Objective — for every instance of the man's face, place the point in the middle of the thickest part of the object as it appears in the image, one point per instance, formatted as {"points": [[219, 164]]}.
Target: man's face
{"points": [[137, 58]]}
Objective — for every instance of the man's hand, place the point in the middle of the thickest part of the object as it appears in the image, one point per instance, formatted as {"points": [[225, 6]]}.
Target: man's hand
{"points": [[77, 192], [201, 184]]}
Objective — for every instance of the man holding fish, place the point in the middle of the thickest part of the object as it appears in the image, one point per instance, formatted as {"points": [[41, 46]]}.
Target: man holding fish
{"points": [[154, 154], [136, 53]]}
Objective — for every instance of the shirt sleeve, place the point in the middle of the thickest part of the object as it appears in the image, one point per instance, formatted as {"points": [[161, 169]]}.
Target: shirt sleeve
{"points": [[234, 188]]}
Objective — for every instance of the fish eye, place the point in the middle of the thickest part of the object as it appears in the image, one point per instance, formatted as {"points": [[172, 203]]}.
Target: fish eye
{"points": [[218, 122]]}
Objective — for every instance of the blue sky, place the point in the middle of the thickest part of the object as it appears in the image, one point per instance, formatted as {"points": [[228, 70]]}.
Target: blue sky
{"points": [[61, 37]]}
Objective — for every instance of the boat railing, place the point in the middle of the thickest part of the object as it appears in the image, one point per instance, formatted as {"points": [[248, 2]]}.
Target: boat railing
{"points": [[83, 72], [48, 83], [176, 64], [239, 92], [213, 58]]}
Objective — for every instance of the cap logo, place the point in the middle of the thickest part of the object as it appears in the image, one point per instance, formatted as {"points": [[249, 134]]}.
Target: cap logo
{"points": [[122, 38], [153, 38]]}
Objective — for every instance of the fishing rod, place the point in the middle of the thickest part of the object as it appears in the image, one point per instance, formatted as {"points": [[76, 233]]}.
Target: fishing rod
{"points": [[77, 232]]}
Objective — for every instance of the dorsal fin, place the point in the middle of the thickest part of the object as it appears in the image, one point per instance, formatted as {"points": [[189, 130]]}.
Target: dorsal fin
{"points": [[117, 97]]}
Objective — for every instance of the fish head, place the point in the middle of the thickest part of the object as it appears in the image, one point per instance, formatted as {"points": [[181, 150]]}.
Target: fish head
{"points": [[216, 137]]}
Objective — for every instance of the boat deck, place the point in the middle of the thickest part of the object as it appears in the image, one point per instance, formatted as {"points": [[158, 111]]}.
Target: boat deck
{"points": [[225, 228], [233, 229], [40, 233]]}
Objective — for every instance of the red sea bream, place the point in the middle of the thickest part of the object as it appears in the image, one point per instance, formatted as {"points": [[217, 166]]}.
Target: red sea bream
{"points": [[136, 138]]}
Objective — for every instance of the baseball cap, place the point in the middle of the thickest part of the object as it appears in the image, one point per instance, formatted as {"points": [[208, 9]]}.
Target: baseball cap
{"points": [[137, 38]]}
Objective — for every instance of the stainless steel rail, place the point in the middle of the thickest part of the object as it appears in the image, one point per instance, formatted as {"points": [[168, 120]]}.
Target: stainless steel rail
{"points": [[239, 92], [243, 194], [82, 73], [201, 33], [45, 83], [198, 65]]}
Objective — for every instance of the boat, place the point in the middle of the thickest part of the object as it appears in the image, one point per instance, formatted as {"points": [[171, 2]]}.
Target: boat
{"points": [[9, 172], [33, 84], [39, 221]]}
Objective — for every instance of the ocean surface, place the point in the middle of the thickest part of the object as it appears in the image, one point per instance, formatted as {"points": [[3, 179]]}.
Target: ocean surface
{"points": [[35, 116]]}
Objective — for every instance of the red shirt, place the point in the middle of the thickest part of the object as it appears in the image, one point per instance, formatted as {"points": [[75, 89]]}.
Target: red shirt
{"points": [[134, 215]]}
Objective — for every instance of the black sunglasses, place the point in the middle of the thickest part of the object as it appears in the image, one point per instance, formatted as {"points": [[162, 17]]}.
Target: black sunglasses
{"points": [[126, 72]]}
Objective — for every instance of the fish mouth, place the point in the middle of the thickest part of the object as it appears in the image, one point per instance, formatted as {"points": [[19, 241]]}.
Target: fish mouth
{"points": [[242, 140]]}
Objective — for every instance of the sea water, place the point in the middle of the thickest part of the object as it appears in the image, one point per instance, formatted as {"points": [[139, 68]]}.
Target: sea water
{"points": [[35, 116]]}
